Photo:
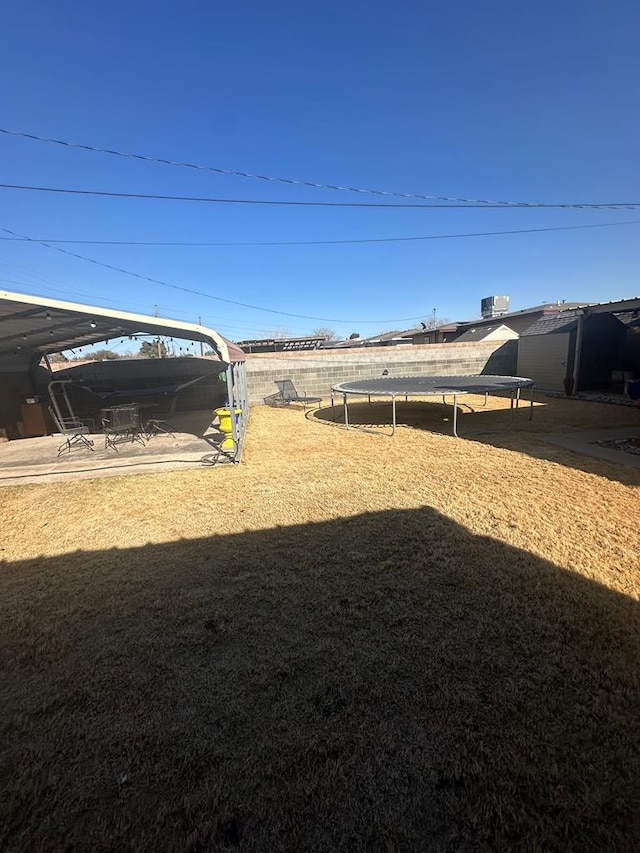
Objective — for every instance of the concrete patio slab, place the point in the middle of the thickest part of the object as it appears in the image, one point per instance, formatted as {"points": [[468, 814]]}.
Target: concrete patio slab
{"points": [[34, 460], [585, 443]]}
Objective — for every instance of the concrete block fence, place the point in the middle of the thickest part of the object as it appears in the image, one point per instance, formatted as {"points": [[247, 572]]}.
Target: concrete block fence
{"points": [[314, 372]]}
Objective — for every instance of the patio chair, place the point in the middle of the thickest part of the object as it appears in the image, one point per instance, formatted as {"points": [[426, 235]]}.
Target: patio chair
{"points": [[219, 453], [160, 423], [288, 394], [74, 431], [157, 426]]}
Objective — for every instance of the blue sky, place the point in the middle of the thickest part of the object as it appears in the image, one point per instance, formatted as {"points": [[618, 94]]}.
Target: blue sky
{"points": [[499, 100]]}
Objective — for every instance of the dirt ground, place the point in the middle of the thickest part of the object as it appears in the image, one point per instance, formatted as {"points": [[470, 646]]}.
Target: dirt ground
{"points": [[347, 642]]}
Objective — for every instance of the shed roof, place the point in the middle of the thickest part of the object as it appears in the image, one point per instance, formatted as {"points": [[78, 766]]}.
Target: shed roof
{"points": [[567, 319], [618, 306], [35, 325], [564, 322]]}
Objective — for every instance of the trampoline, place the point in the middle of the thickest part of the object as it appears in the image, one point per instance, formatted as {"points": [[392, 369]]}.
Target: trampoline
{"points": [[434, 386]]}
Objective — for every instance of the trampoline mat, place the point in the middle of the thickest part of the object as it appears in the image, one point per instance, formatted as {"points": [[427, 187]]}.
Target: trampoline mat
{"points": [[432, 385]]}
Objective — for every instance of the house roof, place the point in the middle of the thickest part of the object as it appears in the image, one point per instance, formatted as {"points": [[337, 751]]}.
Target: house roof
{"points": [[484, 322], [33, 326], [545, 307], [374, 339], [303, 342], [483, 332], [387, 336], [444, 327]]}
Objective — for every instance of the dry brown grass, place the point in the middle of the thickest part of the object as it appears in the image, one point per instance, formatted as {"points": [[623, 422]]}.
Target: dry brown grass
{"points": [[349, 642]]}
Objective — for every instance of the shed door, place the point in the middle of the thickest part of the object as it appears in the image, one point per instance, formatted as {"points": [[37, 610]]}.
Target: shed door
{"points": [[544, 358]]}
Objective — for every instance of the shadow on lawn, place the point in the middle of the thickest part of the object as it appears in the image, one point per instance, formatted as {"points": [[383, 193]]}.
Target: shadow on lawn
{"points": [[491, 426], [387, 682]]}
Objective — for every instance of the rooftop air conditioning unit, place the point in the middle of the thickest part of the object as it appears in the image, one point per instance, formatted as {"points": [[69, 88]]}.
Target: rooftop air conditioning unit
{"points": [[494, 306]]}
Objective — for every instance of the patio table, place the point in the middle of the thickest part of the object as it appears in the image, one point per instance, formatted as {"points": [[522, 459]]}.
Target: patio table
{"points": [[121, 422]]}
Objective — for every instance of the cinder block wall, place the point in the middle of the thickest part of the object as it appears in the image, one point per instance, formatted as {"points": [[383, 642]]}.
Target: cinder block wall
{"points": [[314, 372]]}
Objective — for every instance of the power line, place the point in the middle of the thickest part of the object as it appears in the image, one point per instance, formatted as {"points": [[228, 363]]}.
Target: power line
{"points": [[220, 323], [321, 242], [273, 179], [620, 205], [26, 274], [199, 292]]}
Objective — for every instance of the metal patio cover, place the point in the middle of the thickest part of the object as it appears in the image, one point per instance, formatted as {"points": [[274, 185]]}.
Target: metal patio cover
{"points": [[36, 326]]}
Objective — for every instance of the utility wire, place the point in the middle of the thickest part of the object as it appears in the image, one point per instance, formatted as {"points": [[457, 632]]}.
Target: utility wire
{"points": [[617, 205], [199, 292], [219, 323], [26, 274], [322, 242], [273, 179]]}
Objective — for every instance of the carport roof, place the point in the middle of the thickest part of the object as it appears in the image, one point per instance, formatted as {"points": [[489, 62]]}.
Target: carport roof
{"points": [[38, 326]]}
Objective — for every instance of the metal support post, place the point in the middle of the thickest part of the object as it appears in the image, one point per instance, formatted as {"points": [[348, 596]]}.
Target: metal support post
{"points": [[578, 352], [531, 405], [232, 408]]}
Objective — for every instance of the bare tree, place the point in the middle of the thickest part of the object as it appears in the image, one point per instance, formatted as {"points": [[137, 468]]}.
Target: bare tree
{"points": [[278, 333], [327, 334], [433, 322]]}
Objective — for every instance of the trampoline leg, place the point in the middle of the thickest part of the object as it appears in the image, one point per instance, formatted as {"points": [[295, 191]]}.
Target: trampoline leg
{"points": [[518, 399], [369, 399], [393, 407], [531, 405], [511, 410], [346, 411], [455, 415], [486, 399]]}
